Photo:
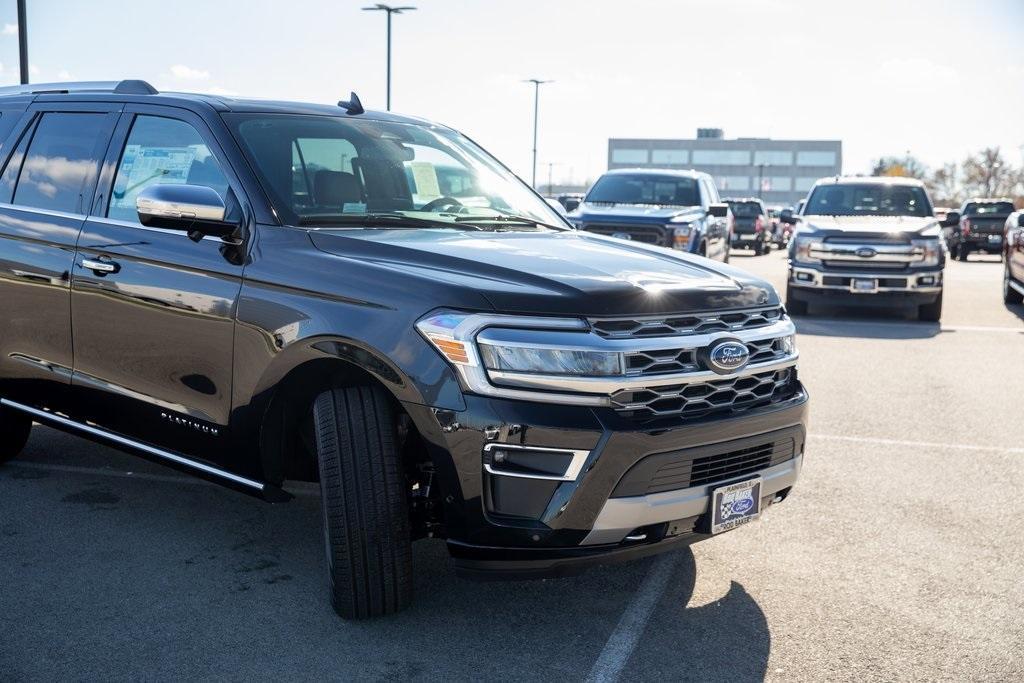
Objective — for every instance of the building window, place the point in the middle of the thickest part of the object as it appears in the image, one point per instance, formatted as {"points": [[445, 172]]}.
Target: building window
{"points": [[721, 157], [670, 156], [629, 156], [733, 182], [777, 183], [815, 158], [773, 158], [804, 184]]}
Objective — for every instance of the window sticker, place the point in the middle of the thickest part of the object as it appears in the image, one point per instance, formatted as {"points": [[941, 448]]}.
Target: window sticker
{"points": [[425, 175], [145, 166]]}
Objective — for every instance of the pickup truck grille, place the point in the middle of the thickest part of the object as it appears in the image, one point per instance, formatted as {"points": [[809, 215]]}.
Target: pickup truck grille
{"points": [[654, 362], [701, 399], [696, 323], [647, 234], [875, 252]]}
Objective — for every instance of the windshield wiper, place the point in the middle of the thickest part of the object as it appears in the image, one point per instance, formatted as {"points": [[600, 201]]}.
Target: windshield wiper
{"points": [[507, 219], [389, 220]]}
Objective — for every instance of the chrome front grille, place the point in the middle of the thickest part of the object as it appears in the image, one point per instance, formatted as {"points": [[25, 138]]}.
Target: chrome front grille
{"points": [[659, 361], [647, 234], [696, 323], [727, 395]]}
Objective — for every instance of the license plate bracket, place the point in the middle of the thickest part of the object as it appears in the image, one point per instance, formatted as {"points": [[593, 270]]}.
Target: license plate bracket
{"points": [[863, 285], [735, 504]]}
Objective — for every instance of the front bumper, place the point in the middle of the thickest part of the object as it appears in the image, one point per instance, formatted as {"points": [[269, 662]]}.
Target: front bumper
{"points": [[562, 527], [982, 243], [912, 287]]}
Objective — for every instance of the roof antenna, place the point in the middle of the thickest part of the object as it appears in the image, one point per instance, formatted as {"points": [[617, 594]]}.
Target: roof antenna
{"points": [[353, 106]]}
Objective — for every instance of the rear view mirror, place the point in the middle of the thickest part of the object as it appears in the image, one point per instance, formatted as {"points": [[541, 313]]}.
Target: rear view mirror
{"points": [[195, 209], [718, 210], [952, 219]]}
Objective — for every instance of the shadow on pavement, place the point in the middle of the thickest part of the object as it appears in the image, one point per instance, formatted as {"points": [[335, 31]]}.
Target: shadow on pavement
{"points": [[866, 325], [1016, 309], [129, 578]]}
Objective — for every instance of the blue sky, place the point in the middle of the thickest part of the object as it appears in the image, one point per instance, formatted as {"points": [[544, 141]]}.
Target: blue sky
{"points": [[939, 79]]}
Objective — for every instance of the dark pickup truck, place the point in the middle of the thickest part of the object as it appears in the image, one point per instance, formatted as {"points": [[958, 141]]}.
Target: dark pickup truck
{"points": [[980, 227], [261, 292], [751, 225]]}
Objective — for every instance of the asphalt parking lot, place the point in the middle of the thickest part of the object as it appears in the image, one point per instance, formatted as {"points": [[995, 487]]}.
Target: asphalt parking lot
{"points": [[897, 558]]}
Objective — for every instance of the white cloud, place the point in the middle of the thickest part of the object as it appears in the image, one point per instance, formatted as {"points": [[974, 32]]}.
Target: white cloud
{"points": [[187, 73], [10, 30]]}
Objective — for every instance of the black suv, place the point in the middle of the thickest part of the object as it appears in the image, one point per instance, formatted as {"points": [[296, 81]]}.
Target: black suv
{"points": [[261, 292]]}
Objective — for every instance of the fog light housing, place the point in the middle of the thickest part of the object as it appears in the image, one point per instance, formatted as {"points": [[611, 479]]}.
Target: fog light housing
{"points": [[805, 277], [926, 280], [530, 462]]}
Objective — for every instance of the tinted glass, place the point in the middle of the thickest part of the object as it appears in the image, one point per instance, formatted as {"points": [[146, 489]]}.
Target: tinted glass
{"points": [[162, 151], [746, 209], [985, 208], [868, 200], [320, 169], [61, 162], [645, 189]]}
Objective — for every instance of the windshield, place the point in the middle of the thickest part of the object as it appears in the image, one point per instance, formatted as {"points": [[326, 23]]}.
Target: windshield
{"points": [[645, 188], [321, 168], [986, 208], [868, 199], [746, 209]]}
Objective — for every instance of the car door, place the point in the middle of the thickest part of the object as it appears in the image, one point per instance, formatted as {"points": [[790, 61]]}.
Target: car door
{"points": [[48, 180], [153, 310], [1015, 247]]}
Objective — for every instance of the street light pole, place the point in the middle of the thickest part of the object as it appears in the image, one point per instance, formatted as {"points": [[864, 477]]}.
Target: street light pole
{"points": [[536, 109], [380, 7], [22, 42]]}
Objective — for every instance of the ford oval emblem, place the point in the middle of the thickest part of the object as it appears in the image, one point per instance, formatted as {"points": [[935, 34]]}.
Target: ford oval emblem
{"points": [[866, 252], [622, 236], [727, 356], [741, 506]]}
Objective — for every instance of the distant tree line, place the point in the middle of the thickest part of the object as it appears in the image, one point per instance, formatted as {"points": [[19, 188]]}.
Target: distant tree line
{"points": [[983, 174]]}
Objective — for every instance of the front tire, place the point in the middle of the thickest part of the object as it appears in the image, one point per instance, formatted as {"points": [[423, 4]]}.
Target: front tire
{"points": [[932, 312], [1010, 295], [14, 432], [961, 253], [365, 504]]}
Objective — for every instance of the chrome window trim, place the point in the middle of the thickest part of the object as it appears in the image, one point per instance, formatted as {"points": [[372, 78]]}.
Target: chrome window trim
{"points": [[579, 458], [44, 212], [125, 441]]}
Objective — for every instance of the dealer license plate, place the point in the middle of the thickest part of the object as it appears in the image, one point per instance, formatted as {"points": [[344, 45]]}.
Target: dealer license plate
{"points": [[735, 505]]}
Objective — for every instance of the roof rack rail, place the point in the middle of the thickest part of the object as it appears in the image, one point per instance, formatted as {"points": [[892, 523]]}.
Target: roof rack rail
{"points": [[125, 87]]}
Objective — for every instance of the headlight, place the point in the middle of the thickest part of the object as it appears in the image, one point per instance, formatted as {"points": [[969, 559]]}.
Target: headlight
{"points": [[930, 250], [802, 246], [548, 361], [682, 230]]}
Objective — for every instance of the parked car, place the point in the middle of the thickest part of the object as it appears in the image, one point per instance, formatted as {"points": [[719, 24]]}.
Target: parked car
{"points": [[750, 225], [980, 227], [257, 292], [779, 230], [870, 241], [676, 209], [1013, 258]]}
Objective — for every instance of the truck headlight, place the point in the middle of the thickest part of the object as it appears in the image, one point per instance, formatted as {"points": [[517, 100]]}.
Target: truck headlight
{"points": [[930, 249], [802, 247], [680, 235], [549, 361]]}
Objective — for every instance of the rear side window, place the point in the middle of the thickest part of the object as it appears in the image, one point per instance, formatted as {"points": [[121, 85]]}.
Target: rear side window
{"points": [[61, 161], [162, 151]]}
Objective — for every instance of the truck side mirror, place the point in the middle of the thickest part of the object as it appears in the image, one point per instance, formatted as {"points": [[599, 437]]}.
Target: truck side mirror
{"points": [[718, 210], [787, 217], [1020, 220], [952, 219]]}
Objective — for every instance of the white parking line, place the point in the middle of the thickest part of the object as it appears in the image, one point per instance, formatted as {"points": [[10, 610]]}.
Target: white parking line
{"points": [[917, 444], [981, 328], [624, 638]]}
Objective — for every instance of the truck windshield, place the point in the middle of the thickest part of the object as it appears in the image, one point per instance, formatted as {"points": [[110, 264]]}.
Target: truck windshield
{"points": [[316, 168], [746, 209], [868, 199], [987, 208], [645, 188]]}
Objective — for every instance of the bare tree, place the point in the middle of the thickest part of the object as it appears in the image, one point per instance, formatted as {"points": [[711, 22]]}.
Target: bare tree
{"points": [[906, 166], [944, 185], [988, 174]]}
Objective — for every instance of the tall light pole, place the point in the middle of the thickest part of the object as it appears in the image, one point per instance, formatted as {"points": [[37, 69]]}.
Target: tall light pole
{"points": [[380, 7], [22, 42], [536, 109]]}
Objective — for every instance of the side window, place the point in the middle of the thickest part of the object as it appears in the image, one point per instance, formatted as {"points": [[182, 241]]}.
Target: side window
{"points": [[322, 172], [61, 161], [163, 151]]}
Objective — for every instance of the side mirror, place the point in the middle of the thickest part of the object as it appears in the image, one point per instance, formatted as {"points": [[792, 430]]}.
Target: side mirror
{"points": [[951, 220], [787, 217], [1020, 220], [195, 209], [571, 203], [718, 210]]}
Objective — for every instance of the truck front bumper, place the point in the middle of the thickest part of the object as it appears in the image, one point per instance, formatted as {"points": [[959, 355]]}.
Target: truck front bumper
{"points": [[501, 526], [866, 287]]}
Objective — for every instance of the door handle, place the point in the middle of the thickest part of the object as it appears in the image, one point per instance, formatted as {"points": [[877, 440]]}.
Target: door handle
{"points": [[100, 267]]}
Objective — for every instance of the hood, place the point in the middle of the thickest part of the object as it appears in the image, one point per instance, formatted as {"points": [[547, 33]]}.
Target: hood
{"points": [[547, 273], [871, 224], [634, 212]]}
